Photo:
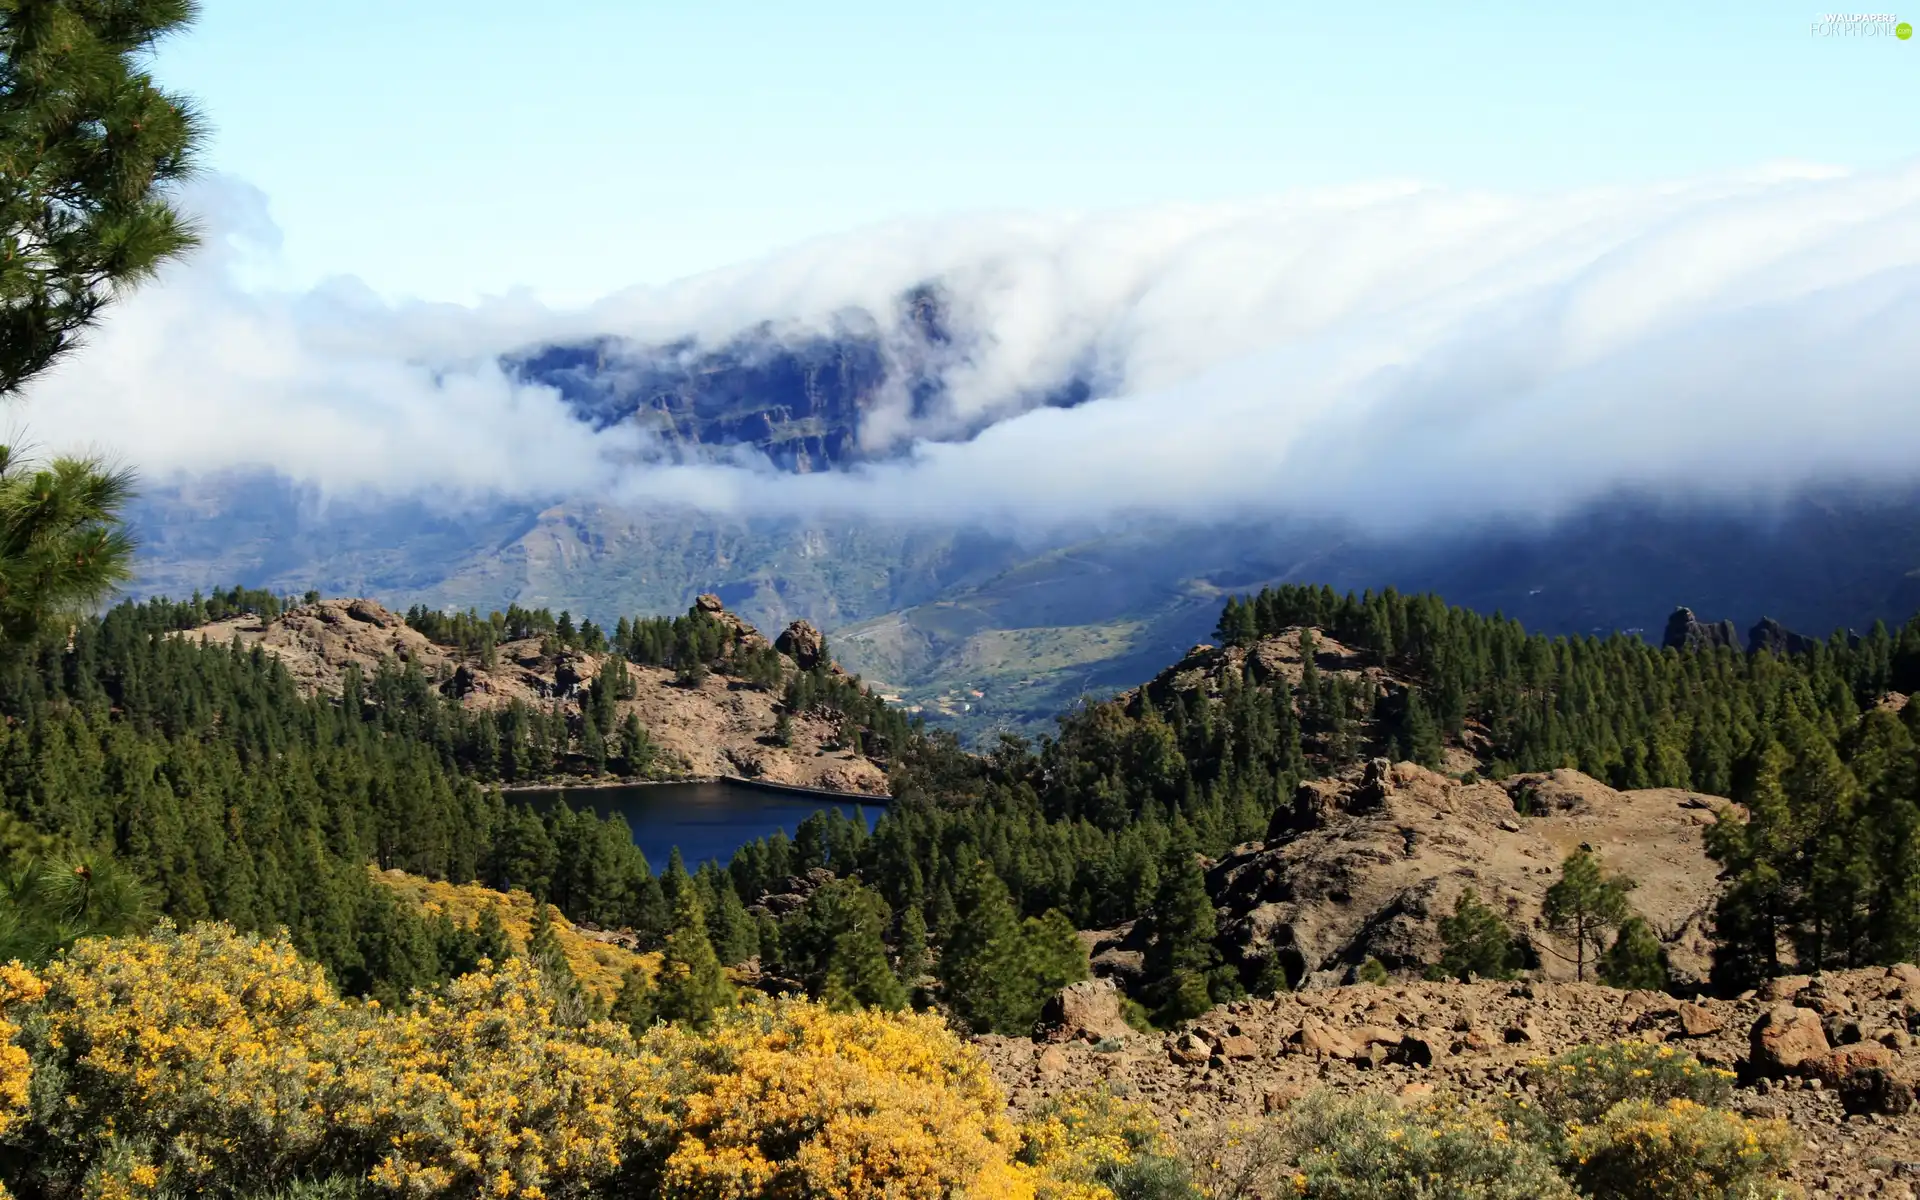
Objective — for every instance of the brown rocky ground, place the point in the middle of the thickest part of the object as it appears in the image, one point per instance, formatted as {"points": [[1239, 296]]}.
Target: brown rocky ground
{"points": [[722, 727], [1245, 1061]]}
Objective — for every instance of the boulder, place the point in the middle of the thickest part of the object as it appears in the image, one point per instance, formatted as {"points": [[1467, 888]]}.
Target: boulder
{"points": [[1189, 1050], [1090, 1011], [1412, 1052], [1698, 1021], [803, 644], [1876, 1090], [1785, 1038], [1280, 1099], [1836, 1065], [1239, 1047], [1784, 987], [372, 612], [1315, 1037]]}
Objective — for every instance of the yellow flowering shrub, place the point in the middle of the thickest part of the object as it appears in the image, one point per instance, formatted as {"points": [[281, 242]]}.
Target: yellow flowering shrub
{"points": [[784, 1098], [1680, 1150], [207, 1061], [1582, 1083], [17, 986], [479, 1091], [190, 1057], [1080, 1142], [600, 966]]}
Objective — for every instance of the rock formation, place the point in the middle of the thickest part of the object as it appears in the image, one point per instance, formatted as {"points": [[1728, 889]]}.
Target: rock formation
{"points": [[1777, 639], [803, 644], [1364, 866], [1090, 1011], [1685, 632]]}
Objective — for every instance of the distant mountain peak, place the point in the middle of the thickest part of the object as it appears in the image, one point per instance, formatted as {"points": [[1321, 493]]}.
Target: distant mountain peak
{"points": [[805, 398]]}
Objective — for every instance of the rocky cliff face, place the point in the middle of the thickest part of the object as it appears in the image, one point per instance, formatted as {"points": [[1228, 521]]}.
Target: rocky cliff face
{"points": [[1365, 865], [1687, 632]]}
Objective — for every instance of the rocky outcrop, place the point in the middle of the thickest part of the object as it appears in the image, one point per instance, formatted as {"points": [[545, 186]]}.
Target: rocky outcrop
{"points": [[1205, 667], [1776, 639], [1089, 1011], [803, 644], [1365, 865], [1686, 632], [745, 635], [318, 642], [793, 893], [710, 728]]}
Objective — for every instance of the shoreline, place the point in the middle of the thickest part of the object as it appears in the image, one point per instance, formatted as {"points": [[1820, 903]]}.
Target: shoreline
{"points": [[792, 789]]}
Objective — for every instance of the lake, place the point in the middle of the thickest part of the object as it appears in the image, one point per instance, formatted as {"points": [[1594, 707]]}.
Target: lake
{"points": [[706, 820]]}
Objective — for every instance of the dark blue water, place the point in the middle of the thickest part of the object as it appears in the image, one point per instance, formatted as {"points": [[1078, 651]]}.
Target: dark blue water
{"points": [[705, 820]]}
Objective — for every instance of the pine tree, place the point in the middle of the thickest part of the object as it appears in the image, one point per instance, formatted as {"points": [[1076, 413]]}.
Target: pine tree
{"points": [[1054, 954], [90, 152], [1756, 907], [858, 975], [1585, 905], [911, 962], [1237, 626], [1419, 739], [634, 1006], [52, 896], [1184, 967], [691, 985], [572, 1005], [1636, 959], [730, 926], [1475, 941], [941, 912], [980, 968]]}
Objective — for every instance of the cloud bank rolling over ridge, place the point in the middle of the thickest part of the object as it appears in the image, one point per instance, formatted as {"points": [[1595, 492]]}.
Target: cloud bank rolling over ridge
{"points": [[1392, 354]]}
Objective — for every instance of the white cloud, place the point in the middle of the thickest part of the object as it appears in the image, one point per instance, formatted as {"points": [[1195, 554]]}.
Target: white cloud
{"points": [[1393, 353]]}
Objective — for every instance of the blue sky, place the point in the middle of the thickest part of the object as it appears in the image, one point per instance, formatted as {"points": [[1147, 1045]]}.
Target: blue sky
{"points": [[452, 150]]}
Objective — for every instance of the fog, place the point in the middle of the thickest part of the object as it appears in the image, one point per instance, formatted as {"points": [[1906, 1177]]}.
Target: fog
{"points": [[1392, 354]]}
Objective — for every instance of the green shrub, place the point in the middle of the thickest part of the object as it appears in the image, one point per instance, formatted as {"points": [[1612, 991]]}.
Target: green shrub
{"points": [[1368, 1147], [329, 1187], [1372, 971], [1679, 1150], [1135, 1014], [1148, 1177]]}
